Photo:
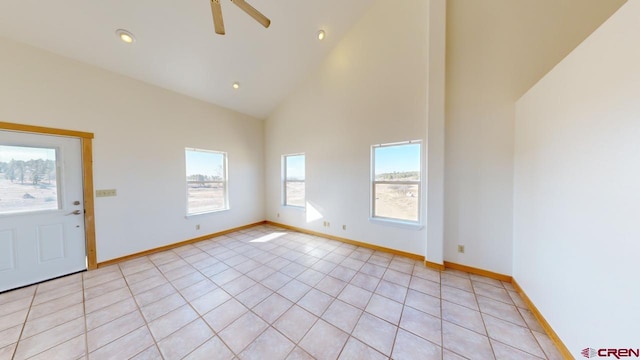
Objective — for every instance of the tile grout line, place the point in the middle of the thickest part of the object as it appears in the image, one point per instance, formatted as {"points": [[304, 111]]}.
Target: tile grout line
{"points": [[84, 315], [106, 323], [441, 346], [476, 300], [216, 334], [526, 323], [200, 317], [29, 311], [498, 317], [398, 327], [250, 310], [475, 296], [400, 320], [482, 313], [33, 297], [232, 296], [537, 342], [402, 312], [296, 344], [239, 246], [362, 314], [519, 314], [155, 343], [137, 308], [318, 318]]}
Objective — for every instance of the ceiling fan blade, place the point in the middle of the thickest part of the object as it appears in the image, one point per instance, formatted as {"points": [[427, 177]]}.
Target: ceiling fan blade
{"points": [[216, 11], [252, 12]]}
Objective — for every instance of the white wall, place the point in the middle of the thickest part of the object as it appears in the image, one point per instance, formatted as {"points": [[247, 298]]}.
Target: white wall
{"points": [[577, 189], [370, 90], [140, 135], [496, 50]]}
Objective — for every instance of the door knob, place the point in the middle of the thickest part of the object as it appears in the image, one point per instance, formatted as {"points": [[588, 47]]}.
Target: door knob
{"points": [[75, 212]]}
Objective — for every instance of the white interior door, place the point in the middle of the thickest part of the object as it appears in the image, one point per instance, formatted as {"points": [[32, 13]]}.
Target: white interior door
{"points": [[42, 232]]}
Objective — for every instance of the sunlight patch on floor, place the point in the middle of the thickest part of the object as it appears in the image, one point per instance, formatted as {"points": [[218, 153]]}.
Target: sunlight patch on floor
{"points": [[268, 237]]}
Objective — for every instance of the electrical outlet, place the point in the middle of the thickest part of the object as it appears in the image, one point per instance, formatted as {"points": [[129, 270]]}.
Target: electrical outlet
{"points": [[198, 227], [105, 193], [344, 227], [278, 215], [461, 249]]}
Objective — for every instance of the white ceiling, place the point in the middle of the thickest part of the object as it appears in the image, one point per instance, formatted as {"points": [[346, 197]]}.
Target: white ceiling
{"points": [[177, 48]]}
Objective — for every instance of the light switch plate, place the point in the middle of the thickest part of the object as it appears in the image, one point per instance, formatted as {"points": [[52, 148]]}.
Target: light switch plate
{"points": [[106, 192]]}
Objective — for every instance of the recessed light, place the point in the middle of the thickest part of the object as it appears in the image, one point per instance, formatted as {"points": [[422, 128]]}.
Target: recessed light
{"points": [[236, 85], [320, 34], [125, 36]]}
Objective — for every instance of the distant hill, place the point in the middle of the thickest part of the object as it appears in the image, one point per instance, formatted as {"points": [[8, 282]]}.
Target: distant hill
{"points": [[399, 176]]}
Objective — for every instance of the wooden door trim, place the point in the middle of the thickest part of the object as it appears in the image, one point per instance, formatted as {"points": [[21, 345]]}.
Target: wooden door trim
{"points": [[44, 130], [87, 179]]}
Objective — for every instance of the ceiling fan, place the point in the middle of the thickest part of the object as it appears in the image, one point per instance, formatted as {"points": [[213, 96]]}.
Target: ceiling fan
{"points": [[218, 23]]}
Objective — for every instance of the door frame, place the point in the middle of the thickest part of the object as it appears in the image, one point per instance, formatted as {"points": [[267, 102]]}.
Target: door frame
{"points": [[87, 179]]}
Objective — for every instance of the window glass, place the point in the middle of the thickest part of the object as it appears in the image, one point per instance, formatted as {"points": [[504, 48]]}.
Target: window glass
{"points": [[396, 182], [28, 179], [206, 181], [294, 180]]}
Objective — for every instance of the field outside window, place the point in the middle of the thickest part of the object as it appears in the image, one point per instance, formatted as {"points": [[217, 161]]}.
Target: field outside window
{"points": [[206, 181], [294, 180], [28, 179], [396, 182]]}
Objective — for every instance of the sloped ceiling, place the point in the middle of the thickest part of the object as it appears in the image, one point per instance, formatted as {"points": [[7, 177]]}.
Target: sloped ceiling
{"points": [[176, 47], [508, 45]]}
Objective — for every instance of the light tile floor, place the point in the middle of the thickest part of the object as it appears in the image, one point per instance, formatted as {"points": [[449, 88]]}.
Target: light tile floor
{"points": [[267, 293]]}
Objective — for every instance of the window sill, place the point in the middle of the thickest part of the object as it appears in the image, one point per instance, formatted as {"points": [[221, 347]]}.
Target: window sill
{"points": [[206, 213], [397, 223]]}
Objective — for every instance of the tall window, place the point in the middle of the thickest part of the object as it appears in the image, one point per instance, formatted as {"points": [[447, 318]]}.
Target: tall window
{"points": [[293, 175], [395, 184], [206, 181]]}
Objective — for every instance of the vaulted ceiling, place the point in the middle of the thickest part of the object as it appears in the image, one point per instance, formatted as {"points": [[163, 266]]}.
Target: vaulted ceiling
{"points": [[176, 47]]}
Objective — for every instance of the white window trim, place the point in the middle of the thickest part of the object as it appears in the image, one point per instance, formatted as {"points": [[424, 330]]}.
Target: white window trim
{"points": [[409, 224], [225, 183], [285, 181]]}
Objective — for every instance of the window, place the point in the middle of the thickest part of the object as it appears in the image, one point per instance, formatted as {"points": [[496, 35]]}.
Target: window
{"points": [[28, 179], [293, 175], [206, 181], [395, 185]]}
